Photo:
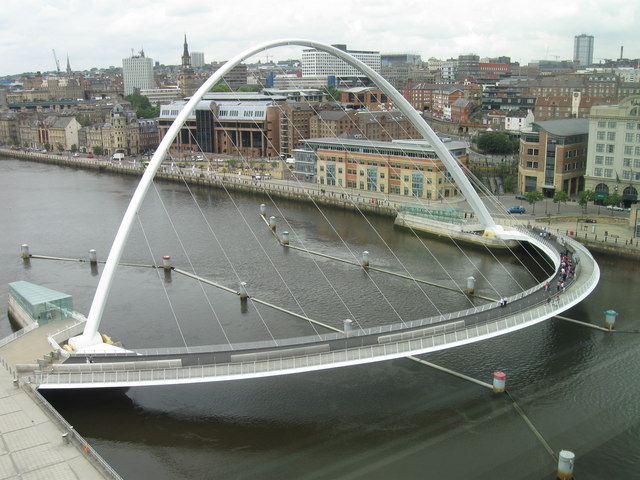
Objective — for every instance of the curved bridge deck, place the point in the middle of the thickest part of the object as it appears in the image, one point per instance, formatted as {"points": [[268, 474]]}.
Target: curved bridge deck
{"points": [[296, 355]]}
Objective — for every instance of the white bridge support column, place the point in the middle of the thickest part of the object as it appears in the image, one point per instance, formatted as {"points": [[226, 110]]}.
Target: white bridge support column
{"points": [[90, 336]]}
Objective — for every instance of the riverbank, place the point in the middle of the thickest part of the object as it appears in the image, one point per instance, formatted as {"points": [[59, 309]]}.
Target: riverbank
{"points": [[606, 236]]}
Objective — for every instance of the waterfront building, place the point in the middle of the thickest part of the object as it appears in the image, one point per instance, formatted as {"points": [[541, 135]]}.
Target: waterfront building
{"points": [[613, 162], [403, 167], [241, 124], [235, 78], [553, 157], [583, 49], [137, 73]]}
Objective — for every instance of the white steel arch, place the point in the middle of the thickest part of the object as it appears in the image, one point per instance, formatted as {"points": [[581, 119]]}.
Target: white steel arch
{"points": [[91, 337]]}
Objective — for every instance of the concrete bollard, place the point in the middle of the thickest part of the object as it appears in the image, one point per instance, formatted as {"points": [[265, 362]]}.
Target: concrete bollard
{"points": [[93, 257], [272, 223], [471, 285], [365, 258], [499, 381], [347, 327], [65, 438], [566, 460], [263, 209], [243, 291], [25, 251], [166, 262], [610, 319], [285, 238]]}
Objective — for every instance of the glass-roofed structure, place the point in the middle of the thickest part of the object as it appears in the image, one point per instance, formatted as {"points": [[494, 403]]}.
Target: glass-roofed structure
{"points": [[42, 304]]}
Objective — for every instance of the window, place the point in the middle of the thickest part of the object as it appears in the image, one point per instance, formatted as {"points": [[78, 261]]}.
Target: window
{"points": [[626, 162], [628, 137], [532, 164], [597, 172], [636, 163], [602, 124], [631, 126], [599, 159], [600, 135], [610, 148], [611, 124], [626, 174], [608, 172], [611, 136], [628, 149], [608, 161], [599, 147], [532, 151]]}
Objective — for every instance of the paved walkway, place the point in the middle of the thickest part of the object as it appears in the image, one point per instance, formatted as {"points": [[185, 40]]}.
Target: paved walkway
{"points": [[31, 442]]}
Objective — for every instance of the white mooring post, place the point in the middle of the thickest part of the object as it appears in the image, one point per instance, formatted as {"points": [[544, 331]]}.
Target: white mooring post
{"points": [[263, 209], [285, 238], [272, 223], [365, 258], [610, 319], [566, 459], [499, 381], [347, 327], [166, 262], [471, 285], [25, 251], [93, 257], [243, 291]]}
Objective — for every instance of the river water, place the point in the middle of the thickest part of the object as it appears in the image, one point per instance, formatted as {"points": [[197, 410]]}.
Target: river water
{"points": [[395, 419]]}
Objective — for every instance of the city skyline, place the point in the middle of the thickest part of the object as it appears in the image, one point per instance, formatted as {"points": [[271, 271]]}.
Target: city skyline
{"points": [[31, 30]]}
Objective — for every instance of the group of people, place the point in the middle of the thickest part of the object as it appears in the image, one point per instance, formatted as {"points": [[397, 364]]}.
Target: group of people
{"points": [[566, 273]]}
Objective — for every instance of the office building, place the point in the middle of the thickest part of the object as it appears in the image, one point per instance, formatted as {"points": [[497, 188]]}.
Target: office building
{"points": [[613, 161], [583, 49], [137, 73]]}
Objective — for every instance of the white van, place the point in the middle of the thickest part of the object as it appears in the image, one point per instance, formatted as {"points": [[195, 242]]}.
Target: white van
{"points": [[118, 156]]}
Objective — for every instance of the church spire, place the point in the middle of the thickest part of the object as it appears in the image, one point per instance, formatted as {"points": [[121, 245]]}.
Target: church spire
{"points": [[186, 58], [68, 66]]}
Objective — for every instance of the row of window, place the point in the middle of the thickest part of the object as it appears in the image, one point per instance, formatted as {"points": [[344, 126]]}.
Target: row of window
{"points": [[611, 124], [610, 173]]}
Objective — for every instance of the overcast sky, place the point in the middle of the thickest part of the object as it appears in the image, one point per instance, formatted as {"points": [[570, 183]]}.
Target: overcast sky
{"points": [[100, 33]]}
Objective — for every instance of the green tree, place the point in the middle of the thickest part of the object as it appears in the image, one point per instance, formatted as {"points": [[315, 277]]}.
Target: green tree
{"points": [[47, 146], [533, 197], [220, 87], [84, 120], [333, 93], [143, 107], [60, 147], [232, 163], [584, 198], [74, 148], [496, 142], [613, 199], [560, 197], [97, 150], [274, 165]]}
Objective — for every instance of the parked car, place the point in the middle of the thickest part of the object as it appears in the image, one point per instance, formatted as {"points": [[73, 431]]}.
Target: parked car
{"points": [[90, 155], [518, 209], [615, 208], [520, 197]]}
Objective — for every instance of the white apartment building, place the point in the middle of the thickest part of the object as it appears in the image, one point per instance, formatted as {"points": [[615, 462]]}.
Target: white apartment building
{"points": [[319, 63], [137, 73], [613, 158]]}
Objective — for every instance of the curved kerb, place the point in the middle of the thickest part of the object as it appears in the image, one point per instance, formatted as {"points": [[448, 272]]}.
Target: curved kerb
{"points": [[90, 336]]}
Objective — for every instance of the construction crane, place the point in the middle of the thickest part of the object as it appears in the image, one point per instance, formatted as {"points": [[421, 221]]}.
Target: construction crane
{"points": [[55, 57]]}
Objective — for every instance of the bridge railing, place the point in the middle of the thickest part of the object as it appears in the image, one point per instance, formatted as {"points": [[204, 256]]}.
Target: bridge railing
{"points": [[18, 334]]}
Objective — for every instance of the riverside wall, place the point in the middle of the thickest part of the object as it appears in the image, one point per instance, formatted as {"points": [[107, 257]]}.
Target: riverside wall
{"points": [[311, 193]]}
